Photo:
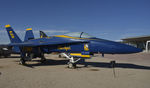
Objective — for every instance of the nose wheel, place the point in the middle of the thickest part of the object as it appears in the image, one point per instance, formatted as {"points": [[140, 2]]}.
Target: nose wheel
{"points": [[72, 65]]}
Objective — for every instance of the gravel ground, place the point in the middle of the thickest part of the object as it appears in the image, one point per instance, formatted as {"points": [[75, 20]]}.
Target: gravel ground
{"points": [[131, 71]]}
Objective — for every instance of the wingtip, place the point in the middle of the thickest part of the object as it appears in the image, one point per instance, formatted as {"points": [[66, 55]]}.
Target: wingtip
{"points": [[28, 29], [7, 26]]}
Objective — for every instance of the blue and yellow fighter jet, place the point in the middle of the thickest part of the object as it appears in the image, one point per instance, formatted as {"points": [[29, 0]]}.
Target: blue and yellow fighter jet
{"points": [[74, 46]]}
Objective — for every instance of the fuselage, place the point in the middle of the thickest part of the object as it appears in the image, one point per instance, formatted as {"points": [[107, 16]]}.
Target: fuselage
{"points": [[95, 45]]}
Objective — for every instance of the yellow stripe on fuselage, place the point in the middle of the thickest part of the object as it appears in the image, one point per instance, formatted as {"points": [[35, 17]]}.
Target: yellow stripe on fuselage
{"points": [[79, 54], [64, 36]]}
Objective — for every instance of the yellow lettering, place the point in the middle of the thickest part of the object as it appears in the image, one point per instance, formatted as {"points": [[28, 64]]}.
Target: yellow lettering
{"points": [[11, 34], [64, 48]]}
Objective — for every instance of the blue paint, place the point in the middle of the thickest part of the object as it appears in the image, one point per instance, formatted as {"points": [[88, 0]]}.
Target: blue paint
{"points": [[29, 35], [51, 44]]}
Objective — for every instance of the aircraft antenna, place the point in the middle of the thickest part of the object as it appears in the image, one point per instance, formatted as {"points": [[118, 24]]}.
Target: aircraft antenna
{"points": [[81, 34]]}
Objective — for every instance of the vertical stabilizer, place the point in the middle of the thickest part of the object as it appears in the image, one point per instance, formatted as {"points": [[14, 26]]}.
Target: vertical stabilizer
{"points": [[42, 34], [29, 34], [12, 35]]}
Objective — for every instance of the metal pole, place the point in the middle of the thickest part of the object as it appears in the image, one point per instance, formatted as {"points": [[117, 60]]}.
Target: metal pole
{"points": [[112, 63]]}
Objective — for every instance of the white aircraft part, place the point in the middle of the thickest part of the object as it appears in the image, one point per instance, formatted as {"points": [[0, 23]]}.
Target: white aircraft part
{"points": [[147, 46]]}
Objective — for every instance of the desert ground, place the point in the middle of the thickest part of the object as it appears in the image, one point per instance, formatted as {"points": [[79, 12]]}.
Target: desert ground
{"points": [[131, 71]]}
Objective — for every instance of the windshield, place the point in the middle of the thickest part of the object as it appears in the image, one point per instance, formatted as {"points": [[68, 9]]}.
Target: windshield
{"points": [[79, 34]]}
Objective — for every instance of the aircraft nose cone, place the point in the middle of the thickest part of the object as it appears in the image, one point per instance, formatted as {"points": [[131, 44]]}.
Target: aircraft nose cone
{"points": [[130, 49], [138, 50], [111, 47], [125, 49]]}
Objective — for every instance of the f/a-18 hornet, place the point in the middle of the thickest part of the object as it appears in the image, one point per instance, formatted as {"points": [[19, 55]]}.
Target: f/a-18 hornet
{"points": [[74, 46]]}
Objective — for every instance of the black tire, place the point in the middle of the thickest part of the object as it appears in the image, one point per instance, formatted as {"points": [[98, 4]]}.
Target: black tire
{"points": [[43, 60], [22, 61], [74, 65], [71, 65], [59, 56]]}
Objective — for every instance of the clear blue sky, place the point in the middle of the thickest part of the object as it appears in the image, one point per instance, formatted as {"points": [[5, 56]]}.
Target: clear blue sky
{"points": [[108, 19]]}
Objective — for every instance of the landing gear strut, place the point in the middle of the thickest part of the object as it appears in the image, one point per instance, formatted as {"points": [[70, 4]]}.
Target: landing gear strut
{"points": [[26, 57], [72, 61], [22, 61], [43, 59]]}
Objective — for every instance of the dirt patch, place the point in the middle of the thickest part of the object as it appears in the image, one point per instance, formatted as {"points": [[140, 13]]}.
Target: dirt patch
{"points": [[1, 67]]}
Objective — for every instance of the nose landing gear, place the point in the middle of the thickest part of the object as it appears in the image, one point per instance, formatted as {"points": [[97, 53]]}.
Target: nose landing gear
{"points": [[72, 61]]}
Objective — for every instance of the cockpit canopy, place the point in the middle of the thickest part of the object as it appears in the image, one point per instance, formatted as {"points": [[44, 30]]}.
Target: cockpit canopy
{"points": [[79, 35]]}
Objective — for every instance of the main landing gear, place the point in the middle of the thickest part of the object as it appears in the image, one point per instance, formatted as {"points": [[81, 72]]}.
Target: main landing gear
{"points": [[22, 61], [43, 59], [29, 56], [72, 61]]}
